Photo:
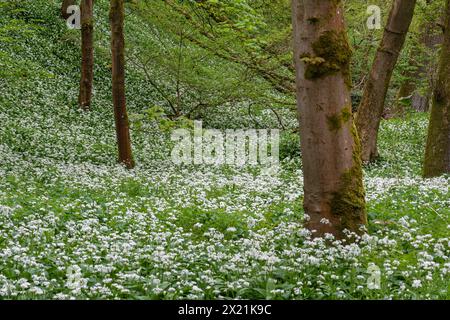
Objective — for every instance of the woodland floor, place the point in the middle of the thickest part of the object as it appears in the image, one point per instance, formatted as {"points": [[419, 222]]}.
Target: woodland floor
{"points": [[74, 224]]}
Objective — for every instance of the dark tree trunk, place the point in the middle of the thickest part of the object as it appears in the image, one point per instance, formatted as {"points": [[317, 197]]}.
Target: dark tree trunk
{"points": [[333, 186], [64, 6], [87, 54], [371, 108], [116, 17], [437, 155]]}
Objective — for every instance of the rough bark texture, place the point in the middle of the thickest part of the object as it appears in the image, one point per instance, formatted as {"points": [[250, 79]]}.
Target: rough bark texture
{"points": [[371, 108], [66, 4], [437, 156], [116, 17], [87, 54], [333, 186]]}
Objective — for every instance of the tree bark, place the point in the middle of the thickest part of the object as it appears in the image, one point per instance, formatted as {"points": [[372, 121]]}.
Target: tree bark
{"points": [[437, 155], [87, 54], [333, 186], [64, 6], [371, 108], [116, 17]]}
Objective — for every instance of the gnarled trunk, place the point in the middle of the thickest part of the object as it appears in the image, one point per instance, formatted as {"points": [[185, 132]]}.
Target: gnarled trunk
{"points": [[437, 155], [116, 17], [333, 186], [87, 54], [371, 108]]}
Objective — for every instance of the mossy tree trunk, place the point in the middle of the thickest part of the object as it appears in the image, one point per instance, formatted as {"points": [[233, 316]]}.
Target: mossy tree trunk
{"points": [[87, 54], [371, 108], [333, 186], [437, 155], [116, 17], [64, 6]]}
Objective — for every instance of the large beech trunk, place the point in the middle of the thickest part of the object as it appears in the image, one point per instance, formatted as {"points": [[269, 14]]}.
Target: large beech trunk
{"points": [[437, 156], [333, 186], [371, 108], [87, 54], [116, 17], [64, 6]]}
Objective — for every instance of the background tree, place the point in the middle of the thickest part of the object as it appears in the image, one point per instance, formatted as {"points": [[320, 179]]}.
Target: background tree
{"points": [[87, 54], [372, 104], [437, 156], [64, 6], [333, 186], [116, 17], [420, 72]]}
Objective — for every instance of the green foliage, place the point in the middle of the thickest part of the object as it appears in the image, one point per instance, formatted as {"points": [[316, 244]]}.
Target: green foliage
{"points": [[289, 145], [199, 55], [157, 115], [167, 232]]}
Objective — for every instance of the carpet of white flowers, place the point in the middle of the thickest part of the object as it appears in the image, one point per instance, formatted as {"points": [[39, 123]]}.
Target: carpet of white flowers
{"points": [[74, 224]]}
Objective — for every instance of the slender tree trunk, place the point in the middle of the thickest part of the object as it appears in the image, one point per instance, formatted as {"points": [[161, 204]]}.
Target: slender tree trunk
{"points": [[371, 108], [333, 186], [116, 17], [408, 89], [437, 155], [430, 38], [87, 54], [64, 6]]}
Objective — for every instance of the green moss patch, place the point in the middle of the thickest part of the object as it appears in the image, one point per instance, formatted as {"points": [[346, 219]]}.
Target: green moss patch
{"points": [[336, 121], [349, 202], [332, 53]]}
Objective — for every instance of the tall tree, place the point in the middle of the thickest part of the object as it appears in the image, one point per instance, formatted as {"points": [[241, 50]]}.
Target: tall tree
{"points": [[421, 59], [64, 6], [371, 108], [333, 186], [87, 54], [116, 17], [437, 155]]}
